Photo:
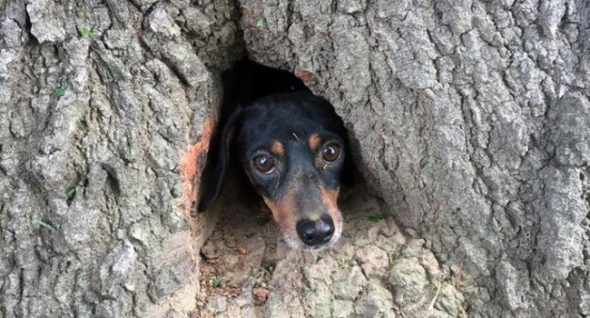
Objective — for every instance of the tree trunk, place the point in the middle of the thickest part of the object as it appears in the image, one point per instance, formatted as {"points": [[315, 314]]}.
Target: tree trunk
{"points": [[100, 102], [471, 120]]}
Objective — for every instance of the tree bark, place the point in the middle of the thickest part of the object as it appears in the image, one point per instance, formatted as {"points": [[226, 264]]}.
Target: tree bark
{"points": [[101, 105], [471, 120]]}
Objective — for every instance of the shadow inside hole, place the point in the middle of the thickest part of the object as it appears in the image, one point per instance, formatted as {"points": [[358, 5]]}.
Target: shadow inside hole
{"points": [[245, 246], [247, 81], [244, 83]]}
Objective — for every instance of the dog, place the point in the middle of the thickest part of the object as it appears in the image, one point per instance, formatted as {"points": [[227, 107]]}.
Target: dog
{"points": [[292, 147]]}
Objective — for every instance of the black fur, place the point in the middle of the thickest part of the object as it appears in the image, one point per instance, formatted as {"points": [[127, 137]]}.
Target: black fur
{"points": [[290, 148], [290, 118]]}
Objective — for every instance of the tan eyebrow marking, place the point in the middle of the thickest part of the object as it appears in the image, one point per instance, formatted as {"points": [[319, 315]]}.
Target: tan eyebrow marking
{"points": [[315, 142], [277, 148]]}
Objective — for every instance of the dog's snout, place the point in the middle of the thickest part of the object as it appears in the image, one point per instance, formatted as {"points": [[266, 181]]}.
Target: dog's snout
{"points": [[315, 232]]}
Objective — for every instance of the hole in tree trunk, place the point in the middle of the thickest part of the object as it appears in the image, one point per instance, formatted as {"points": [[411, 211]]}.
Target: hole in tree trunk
{"points": [[246, 82], [246, 243]]}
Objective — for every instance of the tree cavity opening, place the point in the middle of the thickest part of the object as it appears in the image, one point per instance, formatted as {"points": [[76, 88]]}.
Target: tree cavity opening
{"points": [[244, 83], [246, 241]]}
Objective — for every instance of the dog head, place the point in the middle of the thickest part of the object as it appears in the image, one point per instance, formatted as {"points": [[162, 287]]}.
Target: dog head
{"points": [[292, 148]]}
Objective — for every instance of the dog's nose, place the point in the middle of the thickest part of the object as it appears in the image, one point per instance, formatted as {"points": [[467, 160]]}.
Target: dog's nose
{"points": [[315, 232]]}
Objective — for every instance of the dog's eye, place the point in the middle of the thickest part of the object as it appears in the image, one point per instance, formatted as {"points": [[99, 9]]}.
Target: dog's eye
{"points": [[264, 163], [331, 152]]}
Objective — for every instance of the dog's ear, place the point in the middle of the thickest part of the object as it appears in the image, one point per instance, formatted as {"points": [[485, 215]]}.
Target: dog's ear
{"points": [[217, 162]]}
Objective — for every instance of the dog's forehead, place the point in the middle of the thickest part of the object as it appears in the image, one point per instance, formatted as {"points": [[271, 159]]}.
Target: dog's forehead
{"points": [[282, 124], [287, 118]]}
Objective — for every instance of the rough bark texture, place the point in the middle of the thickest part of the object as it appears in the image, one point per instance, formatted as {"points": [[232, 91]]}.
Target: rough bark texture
{"points": [[374, 271], [469, 118], [99, 102]]}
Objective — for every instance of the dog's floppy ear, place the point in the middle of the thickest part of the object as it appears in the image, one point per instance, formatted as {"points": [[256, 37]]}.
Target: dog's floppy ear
{"points": [[217, 163]]}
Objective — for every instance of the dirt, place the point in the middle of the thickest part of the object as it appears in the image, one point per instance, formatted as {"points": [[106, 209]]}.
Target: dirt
{"points": [[246, 271], [241, 251]]}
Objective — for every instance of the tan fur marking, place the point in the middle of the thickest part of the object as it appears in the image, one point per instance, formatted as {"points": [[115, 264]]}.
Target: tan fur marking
{"points": [[284, 212], [330, 199], [315, 142], [277, 148]]}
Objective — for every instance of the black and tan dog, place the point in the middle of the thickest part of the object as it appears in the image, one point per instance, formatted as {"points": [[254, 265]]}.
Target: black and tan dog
{"points": [[292, 148]]}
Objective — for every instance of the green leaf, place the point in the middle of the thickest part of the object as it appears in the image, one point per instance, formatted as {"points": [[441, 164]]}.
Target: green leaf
{"points": [[70, 195], [87, 32], [375, 217], [47, 225], [261, 23], [60, 91]]}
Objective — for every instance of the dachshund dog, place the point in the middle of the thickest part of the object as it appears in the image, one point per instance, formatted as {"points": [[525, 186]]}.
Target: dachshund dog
{"points": [[292, 147]]}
